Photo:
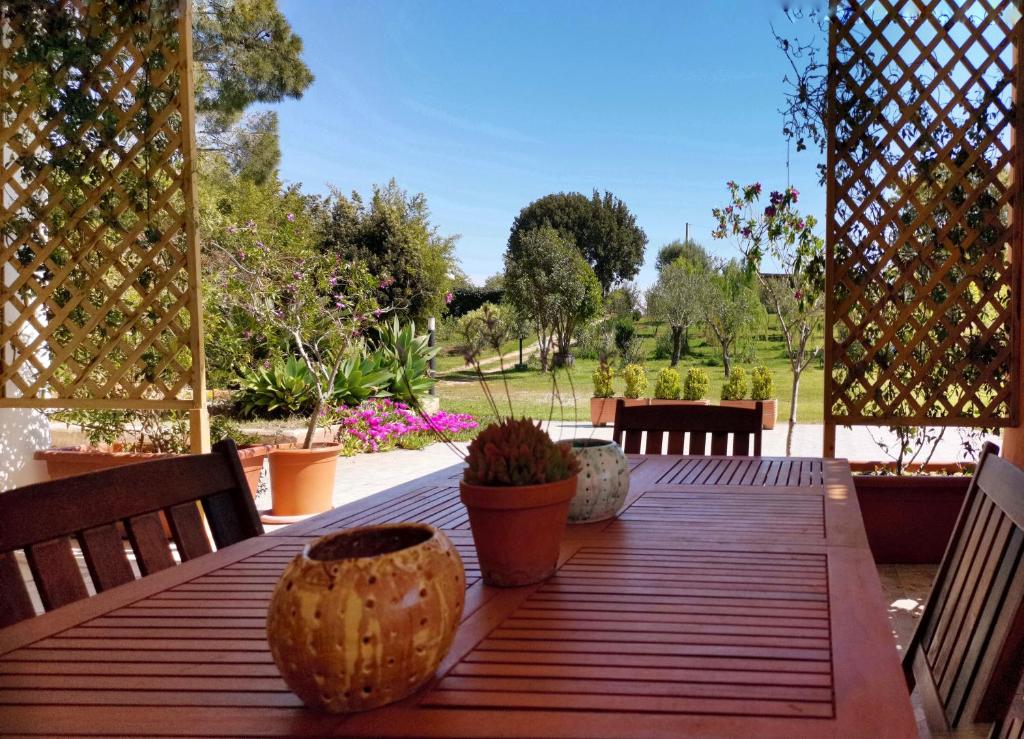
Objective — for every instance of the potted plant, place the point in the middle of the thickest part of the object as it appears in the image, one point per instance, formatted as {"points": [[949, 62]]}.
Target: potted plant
{"points": [[517, 486], [735, 389], [762, 387], [322, 305], [668, 387], [896, 495], [602, 404], [635, 378], [695, 386]]}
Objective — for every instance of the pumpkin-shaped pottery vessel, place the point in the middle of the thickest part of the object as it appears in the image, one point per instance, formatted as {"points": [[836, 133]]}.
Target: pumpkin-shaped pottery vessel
{"points": [[363, 617], [603, 482]]}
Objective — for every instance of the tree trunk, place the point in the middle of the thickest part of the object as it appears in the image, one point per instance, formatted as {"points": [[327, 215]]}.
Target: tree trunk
{"points": [[792, 413], [677, 341], [727, 361], [686, 342]]}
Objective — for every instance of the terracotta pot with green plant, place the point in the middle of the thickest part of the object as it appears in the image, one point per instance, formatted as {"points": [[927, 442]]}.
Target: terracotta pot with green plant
{"points": [[517, 487], [602, 404], [323, 305], [668, 390], [762, 387]]}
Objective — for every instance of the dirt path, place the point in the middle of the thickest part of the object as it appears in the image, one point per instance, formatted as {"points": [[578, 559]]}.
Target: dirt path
{"points": [[510, 358]]}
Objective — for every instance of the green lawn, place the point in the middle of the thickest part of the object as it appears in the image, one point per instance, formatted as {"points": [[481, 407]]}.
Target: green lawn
{"points": [[531, 390]]}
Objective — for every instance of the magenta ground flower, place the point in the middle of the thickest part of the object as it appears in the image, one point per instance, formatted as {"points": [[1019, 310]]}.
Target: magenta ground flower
{"points": [[382, 424]]}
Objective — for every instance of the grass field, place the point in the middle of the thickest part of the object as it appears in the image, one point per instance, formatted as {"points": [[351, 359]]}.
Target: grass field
{"points": [[531, 390]]}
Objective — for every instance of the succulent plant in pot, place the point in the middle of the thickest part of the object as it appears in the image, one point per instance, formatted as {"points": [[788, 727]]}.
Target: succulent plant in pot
{"points": [[517, 487]]}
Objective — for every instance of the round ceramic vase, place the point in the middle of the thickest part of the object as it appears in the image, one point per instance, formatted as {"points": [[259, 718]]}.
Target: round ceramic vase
{"points": [[603, 482], [363, 617]]}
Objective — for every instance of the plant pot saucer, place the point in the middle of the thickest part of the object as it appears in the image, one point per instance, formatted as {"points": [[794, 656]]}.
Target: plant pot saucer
{"points": [[269, 518]]}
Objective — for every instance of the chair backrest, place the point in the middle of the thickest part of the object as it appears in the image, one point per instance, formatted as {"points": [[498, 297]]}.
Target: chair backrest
{"points": [[95, 508], [699, 421], [965, 657]]}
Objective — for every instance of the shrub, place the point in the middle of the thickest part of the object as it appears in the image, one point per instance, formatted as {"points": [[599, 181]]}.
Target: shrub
{"points": [[663, 346], [517, 452], [222, 427], [603, 381], [736, 385], [634, 352], [133, 430], [668, 386], [762, 384], [636, 381], [287, 388], [625, 330], [696, 385]]}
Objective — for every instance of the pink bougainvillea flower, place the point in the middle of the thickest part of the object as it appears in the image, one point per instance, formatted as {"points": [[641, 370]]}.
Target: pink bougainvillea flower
{"points": [[448, 298]]}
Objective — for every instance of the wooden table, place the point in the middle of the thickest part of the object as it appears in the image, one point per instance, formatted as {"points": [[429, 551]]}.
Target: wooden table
{"points": [[732, 597]]}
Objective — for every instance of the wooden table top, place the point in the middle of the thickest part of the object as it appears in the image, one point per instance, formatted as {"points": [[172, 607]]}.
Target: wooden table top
{"points": [[731, 597]]}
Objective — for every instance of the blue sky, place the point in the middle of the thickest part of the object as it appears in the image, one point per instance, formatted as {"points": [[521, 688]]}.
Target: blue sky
{"points": [[486, 106]]}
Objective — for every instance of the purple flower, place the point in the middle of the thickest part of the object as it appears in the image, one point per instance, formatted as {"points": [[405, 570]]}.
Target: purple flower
{"points": [[290, 217], [448, 298]]}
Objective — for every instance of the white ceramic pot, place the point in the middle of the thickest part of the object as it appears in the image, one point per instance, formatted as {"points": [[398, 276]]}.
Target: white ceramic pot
{"points": [[603, 482]]}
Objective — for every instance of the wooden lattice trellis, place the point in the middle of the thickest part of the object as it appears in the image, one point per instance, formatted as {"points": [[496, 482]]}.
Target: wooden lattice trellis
{"points": [[924, 211], [100, 291]]}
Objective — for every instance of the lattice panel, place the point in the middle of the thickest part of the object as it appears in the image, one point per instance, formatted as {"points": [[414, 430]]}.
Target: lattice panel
{"points": [[924, 210], [99, 256]]}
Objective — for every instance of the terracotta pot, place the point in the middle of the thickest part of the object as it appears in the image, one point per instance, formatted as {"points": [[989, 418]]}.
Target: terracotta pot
{"points": [[517, 531], [362, 618], [251, 459], [603, 482], [666, 401], [909, 519], [602, 411], [77, 460], [302, 480], [769, 409]]}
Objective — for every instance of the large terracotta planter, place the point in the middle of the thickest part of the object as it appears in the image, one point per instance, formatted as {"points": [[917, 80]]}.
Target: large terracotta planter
{"points": [[909, 519], [517, 531], [363, 617], [77, 460], [302, 480], [602, 410], [603, 482], [769, 409]]}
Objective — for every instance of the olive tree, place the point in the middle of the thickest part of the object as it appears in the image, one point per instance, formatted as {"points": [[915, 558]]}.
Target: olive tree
{"points": [[678, 298], [549, 283]]}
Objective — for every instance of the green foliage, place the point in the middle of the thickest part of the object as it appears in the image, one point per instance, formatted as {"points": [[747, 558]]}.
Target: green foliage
{"points": [[393, 236], [690, 251], [131, 430], [732, 309], [736, 385], [406, 356], [602, 378], [668, 386], [360, 378], [636, 381], [548, 282], [625, 330], [222, 427], [679, 296], [696, 385], [762, 384], [245, 52], [285, 389], [600, 227], [517, 452]]}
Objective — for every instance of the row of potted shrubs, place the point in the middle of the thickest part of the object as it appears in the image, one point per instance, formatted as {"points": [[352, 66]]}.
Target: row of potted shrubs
{"points": [[737, 390]]}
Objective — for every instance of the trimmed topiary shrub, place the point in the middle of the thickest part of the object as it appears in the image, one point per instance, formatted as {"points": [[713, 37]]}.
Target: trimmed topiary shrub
{"points": [[636, 381], [668, 386], [696, 385], [762, 384], [736, 385], [602, 378]]}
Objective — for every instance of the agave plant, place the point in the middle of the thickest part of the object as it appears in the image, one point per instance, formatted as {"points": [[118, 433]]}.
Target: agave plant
{"points": [[361, 378], [407, 356], [286, 388]]}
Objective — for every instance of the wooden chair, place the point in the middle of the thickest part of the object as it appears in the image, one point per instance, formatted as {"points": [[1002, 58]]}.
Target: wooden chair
{"points": [[43, 519], [697, 420], [966, 656]]}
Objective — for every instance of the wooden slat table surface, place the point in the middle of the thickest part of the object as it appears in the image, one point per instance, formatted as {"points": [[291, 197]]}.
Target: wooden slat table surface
{"points": [[731, 597]]}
